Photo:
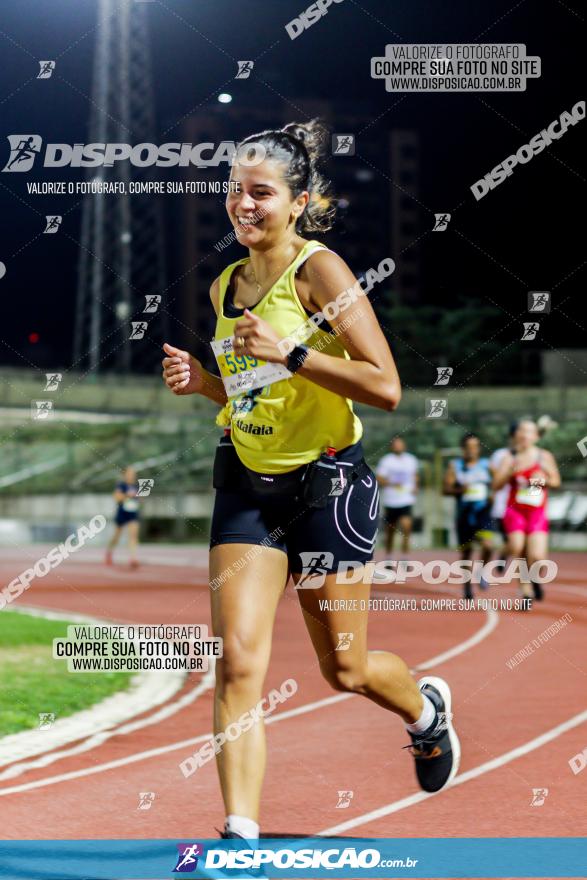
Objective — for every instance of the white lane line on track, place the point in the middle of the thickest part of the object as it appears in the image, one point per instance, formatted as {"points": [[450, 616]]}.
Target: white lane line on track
{"points": [[474, 773], [162, 750], [98, 739], [566, 588], [485, 630], [130, 576], [89, 556]]}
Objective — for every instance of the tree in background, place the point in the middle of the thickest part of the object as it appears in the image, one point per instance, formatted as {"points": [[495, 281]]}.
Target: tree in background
{"points": [[476, 339]]}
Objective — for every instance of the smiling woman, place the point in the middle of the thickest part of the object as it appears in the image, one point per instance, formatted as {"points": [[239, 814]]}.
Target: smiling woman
{"points": [[290, 473], [298, 150]]}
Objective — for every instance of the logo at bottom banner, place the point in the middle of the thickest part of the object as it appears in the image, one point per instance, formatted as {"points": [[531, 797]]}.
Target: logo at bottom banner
{"points": [[187, 859], [297, 858]]}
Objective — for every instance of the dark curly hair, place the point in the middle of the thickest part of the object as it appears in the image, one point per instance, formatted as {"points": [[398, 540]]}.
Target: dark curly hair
{"points": [[301, 148]]}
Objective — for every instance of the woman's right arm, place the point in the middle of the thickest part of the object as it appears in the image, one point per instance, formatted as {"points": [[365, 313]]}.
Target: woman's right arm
{"points": [[449, 482], [504, 471], [184, 374]]}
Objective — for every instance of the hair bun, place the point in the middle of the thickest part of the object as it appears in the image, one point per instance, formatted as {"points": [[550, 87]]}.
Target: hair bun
{"points": [[312, 134], [297, 131]]}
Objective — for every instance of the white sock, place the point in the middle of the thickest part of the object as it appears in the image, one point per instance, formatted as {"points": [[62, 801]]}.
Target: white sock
{"points": [[243, 826], [426, 718]]}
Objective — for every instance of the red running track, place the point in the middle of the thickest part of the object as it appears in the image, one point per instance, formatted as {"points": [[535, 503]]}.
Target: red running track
{"points": [[346, 743]]}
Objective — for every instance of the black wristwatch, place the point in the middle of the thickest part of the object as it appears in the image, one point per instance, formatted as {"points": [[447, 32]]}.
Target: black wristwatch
{"points": [[296, 357]]}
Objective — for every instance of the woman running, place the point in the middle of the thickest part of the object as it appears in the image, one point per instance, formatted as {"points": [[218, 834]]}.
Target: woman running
{"points": [[127, 516], [530, 472], [290, 476]]}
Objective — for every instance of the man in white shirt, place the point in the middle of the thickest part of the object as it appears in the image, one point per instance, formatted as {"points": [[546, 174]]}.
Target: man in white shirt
{"points": [[397, 474]]}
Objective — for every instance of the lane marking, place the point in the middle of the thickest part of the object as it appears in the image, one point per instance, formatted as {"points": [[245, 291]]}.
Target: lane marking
{"points": [[162, 750], [196, 556], [206, 683], [484, 631], [566, 588], [122, 573], [474, 773]]}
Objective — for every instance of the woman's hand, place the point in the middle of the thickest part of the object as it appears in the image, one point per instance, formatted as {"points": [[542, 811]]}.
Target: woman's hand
{"points": [[540, 477], [182, 373], [255, 337]]}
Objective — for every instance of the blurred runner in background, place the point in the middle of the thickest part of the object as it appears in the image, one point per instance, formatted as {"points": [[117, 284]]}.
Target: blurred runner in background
{"points": [[528, 472], [469, 479], [397, 474], [127, 515]]}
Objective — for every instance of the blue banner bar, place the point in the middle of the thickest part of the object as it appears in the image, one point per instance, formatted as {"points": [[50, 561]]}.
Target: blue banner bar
{"points": [[310, 857]]}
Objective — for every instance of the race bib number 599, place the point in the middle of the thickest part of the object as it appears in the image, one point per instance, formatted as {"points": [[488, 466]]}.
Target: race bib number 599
{"points": [[242, 372]]}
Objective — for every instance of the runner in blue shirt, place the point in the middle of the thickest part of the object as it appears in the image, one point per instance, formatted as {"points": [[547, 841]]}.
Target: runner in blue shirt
{"points": [[469, 480]]}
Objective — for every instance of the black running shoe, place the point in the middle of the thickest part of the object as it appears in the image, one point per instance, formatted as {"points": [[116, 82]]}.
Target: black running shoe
{"points": [[468, 592], [437, 751], [538, 591]]}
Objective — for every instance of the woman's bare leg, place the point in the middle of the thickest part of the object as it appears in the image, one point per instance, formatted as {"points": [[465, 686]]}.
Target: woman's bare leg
{"points": [[114, 539], [381, 676], [517, 550], [133, 540], [243, 612]]}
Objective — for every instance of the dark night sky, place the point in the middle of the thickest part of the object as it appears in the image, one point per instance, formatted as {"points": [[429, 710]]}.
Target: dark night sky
{"points": [[524, 235]]}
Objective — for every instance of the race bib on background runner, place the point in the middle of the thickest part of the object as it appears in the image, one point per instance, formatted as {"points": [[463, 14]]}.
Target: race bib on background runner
{"points": [[530, 495], [475, 492], [242, 372]]}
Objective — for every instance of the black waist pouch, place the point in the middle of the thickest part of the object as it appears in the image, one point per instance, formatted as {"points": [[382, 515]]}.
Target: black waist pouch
{"points": [[228, 472], [279, 485], [313, 483]]}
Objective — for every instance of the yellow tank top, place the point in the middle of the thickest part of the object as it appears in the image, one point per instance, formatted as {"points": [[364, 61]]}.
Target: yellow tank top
{"points": [[289, 423]]}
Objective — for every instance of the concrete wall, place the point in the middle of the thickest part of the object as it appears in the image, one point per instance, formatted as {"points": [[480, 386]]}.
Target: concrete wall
{"points": [[52, 517]]}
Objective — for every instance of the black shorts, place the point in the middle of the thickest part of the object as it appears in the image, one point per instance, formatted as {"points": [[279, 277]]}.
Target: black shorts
{"points": [[344, 530], [125, 516], [392, 514], [472, 521]]}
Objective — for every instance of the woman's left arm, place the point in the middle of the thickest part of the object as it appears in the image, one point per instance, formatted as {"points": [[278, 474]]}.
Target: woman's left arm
{"points": [[370, 376], [551, 471]]}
